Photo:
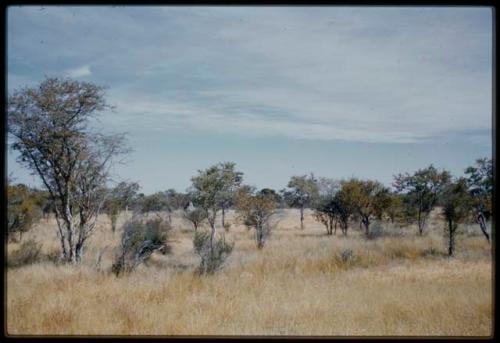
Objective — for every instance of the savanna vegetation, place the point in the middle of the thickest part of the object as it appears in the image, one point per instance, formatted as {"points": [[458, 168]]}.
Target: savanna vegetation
{"points": [[88, 256]]}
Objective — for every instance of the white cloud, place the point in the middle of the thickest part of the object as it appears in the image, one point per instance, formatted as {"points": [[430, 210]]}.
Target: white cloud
{"points": [[79, 72]]}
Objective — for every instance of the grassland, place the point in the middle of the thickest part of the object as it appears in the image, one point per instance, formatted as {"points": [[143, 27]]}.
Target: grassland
{"points": [[397, 284]]}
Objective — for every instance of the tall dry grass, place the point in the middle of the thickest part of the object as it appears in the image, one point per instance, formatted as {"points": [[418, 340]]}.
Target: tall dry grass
{"points": [[301, 283]]}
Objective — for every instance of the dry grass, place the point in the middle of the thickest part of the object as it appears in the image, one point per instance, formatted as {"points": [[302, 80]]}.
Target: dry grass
{"points": [[298, 284]]}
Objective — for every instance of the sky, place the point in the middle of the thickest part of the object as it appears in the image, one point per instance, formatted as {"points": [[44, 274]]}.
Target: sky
{"points": [[342, 92]]}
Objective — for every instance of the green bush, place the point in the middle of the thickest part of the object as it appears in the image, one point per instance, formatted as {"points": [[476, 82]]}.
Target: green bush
{"points": [[28, 253], [212, 259], [141, 237]]}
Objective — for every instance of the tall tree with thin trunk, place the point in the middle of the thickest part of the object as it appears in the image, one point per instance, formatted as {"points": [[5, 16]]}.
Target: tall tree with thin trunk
{"points": [[480, 185], [421, 190], [368, 198], [49, 125], [303, 193], [210, 189], [232, 180], [456, 205]]}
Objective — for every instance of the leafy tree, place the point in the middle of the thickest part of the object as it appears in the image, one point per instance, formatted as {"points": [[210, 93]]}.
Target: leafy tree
{"points": [[480, 186], [126, 192], [343, 207], [368, 199], [174, 201], [256, 211], [421, 190], [49, 125], [456, 204], [22, 210], [303, 193], [326, 208], [155, 202], [395, 209], [231, 180], [195, 215], [210, 189]]}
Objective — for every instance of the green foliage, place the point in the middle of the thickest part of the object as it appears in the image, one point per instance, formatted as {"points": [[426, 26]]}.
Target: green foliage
{"points": [[456, 204], [28, 253], [480, 185], [366, 198], [141, 237], [195, 215], [23, 209], [421, 192], [214, 188], [256, 211], [303, 191], [212, 258]]}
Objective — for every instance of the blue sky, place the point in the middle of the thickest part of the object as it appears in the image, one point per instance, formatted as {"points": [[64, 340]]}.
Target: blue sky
{"points": [[281, 91]]}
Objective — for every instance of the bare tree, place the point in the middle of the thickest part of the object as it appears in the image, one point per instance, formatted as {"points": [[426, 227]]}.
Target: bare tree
{"points": [[50, 128]]}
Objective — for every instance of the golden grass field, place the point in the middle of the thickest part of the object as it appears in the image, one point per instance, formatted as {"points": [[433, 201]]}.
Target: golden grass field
{"points": [[398, 284]]}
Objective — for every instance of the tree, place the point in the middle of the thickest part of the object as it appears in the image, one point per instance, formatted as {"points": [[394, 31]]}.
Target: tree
{"points": [[174, 201], [210, 189], [50, 128], [343, 207], [303, 193], [368, 199], [421, 190], [395, 207], [195, 215], [22, 210], [256, 211], [126, 192], [456, 204], [480, 186], [326, 208], [231, 180], [155, 202]]}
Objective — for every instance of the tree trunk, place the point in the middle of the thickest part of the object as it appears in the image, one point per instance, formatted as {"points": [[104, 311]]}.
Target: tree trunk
{"points": [[302, 217], [335, 231], [366, 223], [482, 224], [214, 231], [223, 217], [419, 223], [451, 238]]}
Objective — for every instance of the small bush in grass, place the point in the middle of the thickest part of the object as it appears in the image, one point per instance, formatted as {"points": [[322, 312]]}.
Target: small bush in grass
{"points": [[141, 237], [376, 231], [346, 258], [212, 259], [28, 253]]}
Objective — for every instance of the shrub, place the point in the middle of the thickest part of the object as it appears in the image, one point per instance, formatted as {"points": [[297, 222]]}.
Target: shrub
{"points": [[212, 259], [376, 231], [346, 258], [22, 211], [141, 237], [28, 253]]}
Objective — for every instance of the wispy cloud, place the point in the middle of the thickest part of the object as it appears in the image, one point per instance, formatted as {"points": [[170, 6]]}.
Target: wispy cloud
{"points": [[356, 74], [79, 72]]}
